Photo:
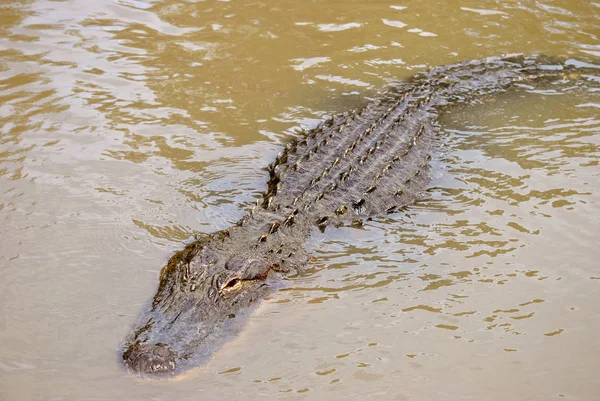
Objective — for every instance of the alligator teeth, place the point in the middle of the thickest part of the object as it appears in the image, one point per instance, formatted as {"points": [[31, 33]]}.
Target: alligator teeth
{"points": [[263, 238]]}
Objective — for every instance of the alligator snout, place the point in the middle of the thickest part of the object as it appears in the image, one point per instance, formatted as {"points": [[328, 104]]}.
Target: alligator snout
{"points": [[150, 358]]}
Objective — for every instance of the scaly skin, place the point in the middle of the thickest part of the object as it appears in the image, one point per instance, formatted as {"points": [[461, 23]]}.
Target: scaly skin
{"points": [[356, 165]]}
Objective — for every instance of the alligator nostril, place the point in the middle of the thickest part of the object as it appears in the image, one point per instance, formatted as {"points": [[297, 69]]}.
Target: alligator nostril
{"points": [[150, 358]]}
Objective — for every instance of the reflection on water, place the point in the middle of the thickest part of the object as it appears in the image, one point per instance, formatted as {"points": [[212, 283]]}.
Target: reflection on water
{"points": [[128, 126]]}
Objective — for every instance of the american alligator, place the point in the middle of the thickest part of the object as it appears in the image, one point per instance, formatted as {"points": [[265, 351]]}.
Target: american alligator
{"points": [[356, 165]]}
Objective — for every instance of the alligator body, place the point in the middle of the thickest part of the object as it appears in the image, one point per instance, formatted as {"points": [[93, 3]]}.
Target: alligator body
{"points": [[356, 165]]}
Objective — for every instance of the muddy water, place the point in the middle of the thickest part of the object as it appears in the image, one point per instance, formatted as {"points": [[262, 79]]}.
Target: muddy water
{"points": [[128, 126]]}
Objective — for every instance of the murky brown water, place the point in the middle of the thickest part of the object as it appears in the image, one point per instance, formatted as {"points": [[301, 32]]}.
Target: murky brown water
{"points": [[127, 126]]}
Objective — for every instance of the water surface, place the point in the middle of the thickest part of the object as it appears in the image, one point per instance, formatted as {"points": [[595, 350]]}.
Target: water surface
{"points": [[126, 127]]}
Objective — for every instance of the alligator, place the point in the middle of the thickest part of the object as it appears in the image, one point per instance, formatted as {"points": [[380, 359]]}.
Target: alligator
{"points": [[354, 166]]}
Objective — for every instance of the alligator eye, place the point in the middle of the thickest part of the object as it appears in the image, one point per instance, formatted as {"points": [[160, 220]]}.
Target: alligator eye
{"points": [[232, 285]]}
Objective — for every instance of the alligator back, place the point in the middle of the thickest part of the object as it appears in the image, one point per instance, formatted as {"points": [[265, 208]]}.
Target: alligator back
{"points": [[373, 161], [376, 160]]}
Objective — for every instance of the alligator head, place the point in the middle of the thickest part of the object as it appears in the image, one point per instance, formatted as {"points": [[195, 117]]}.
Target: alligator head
{"points": [[204, 297]]}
